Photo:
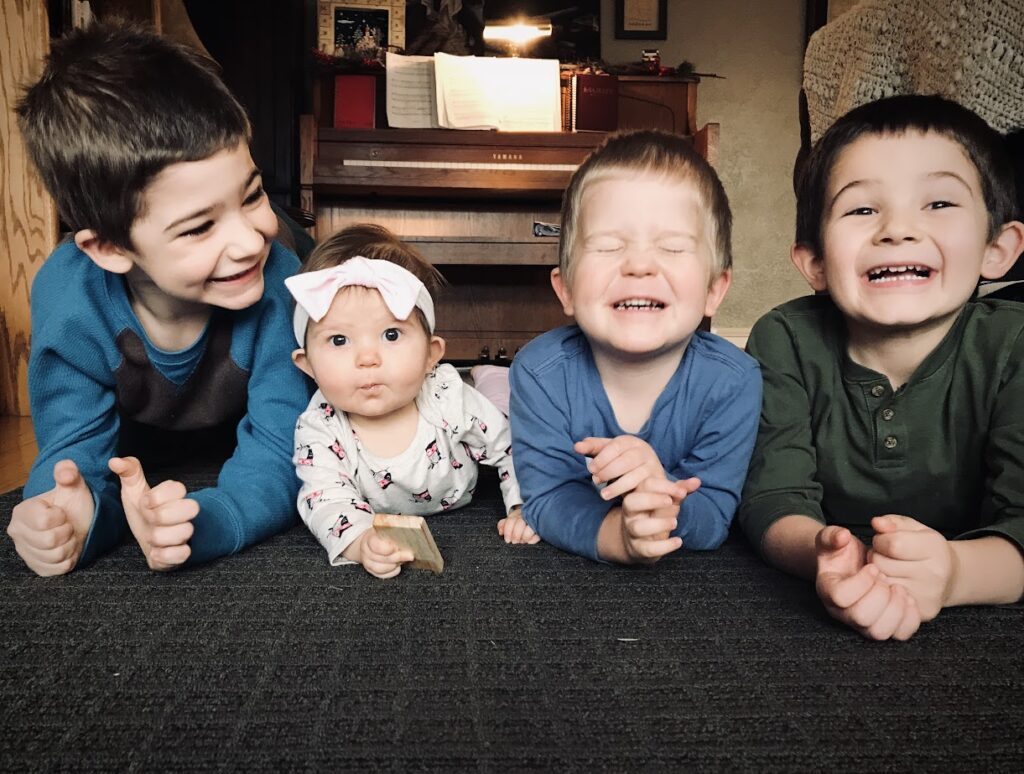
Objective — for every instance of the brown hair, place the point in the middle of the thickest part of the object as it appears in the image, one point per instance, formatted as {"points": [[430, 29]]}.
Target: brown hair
{"points": [[376, 243], [894, 117], [115, 105]]}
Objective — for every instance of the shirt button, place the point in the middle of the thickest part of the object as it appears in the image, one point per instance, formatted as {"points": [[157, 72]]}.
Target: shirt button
{"points": [[878, 391], [890, 442], [888, 414]]}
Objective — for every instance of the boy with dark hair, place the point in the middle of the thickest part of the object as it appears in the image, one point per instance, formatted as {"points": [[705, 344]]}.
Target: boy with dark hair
{"points": [[164, 321], [632, 429], [892, 405]]}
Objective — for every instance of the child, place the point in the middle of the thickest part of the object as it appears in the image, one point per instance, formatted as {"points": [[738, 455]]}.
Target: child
{"points": [[389, 430], [163, 321], [632, 430], [892, 404]]}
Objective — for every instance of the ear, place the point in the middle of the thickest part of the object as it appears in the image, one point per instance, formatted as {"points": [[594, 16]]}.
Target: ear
{"points": [[716, 292], [302, 363], [810, 266], [561, 288], [104, 254], [1003, 251], [436, 352]]}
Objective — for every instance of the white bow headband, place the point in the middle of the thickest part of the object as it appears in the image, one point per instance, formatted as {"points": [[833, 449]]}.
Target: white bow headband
{"points": [[314, 291]]}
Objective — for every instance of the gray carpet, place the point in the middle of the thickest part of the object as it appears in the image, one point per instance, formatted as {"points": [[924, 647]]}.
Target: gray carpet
{"points": [[515, 659]]}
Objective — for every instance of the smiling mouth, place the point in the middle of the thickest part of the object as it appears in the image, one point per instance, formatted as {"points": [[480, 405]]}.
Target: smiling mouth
{"points": [[638, 305], [240, 275], [898, 273]]}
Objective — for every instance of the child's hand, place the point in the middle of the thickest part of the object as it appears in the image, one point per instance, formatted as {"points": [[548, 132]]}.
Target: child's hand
{"points": [[160, 518], [49, 529], [650, 514], [515, 529], [624, 461], [915, 557], [857, 593], [379, 556]]}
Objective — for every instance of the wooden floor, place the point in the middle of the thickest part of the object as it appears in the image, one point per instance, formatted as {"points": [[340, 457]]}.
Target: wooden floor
{"points": [[17, 451]]}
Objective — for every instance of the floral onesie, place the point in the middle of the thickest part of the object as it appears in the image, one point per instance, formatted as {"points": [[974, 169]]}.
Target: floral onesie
{"points": [[343, 484]]}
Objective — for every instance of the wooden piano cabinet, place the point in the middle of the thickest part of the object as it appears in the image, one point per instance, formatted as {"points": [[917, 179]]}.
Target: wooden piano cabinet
{"points": [[468, 201], [658, 102]]}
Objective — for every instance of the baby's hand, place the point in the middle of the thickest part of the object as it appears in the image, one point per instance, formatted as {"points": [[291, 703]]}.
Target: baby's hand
{"points": [[515, 529], [856, 593], [49, 530], [915, 557], [160, 518], [621, 462], [378, 555], [649, 516]]}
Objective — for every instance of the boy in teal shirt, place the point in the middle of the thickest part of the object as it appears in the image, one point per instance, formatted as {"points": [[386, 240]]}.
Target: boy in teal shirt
{"points": [[163, 322], [892, 405]]}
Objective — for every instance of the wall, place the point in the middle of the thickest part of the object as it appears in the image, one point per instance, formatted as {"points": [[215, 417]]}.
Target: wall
{"points": [[28, 221], [758, 47]]}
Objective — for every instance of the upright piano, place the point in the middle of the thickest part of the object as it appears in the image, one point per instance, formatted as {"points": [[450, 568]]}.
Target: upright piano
{"points": [[475, 203]]}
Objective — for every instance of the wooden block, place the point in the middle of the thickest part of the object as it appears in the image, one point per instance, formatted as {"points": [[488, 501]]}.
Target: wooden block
{"points": [[411, 532]]}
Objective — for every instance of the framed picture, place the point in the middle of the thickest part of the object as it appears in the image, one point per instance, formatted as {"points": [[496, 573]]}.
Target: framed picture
{"points": [[641, 19], [346, 26]]}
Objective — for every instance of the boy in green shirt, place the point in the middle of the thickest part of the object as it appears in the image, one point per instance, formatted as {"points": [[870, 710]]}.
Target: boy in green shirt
{"points": [[892, 405]]}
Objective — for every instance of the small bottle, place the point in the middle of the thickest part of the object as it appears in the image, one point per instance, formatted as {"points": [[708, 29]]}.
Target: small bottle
{"points": [[652, 58]]}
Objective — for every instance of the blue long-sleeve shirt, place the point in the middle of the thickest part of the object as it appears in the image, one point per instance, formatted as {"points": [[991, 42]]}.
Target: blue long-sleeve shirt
{"points": [[703, 424], [92, 366]]}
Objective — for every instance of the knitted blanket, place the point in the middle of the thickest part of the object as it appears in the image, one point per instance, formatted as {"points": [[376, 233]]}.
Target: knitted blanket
{"points": [[971, 51]]}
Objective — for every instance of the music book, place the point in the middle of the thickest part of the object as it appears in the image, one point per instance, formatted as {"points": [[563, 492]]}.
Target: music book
{"points": [[411, 532], [594, 103], [468, 92], [355, 101], [409, 93]]}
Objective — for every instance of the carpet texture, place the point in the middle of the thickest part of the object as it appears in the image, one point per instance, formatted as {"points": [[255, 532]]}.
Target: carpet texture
{"points": [[515, 659]]}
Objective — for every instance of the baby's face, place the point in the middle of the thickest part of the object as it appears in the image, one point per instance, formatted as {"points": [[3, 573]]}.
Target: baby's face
{"points": [[366, 362], [641, 278], [905, 231]]}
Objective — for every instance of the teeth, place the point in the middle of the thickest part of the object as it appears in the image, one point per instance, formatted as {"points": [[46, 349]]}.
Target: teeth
{"points": [[639, 303], [895, 273]]}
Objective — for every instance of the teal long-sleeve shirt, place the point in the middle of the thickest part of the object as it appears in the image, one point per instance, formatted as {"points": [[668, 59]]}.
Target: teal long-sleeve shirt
{"points": [[838, 444], [92, 367]]}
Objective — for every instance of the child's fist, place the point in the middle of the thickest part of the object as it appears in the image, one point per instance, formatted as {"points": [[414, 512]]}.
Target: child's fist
{"points": [[515, 529], [857, 593], [381, 557], [49, 529], [917, 558], [160, 517], [621, 463]]}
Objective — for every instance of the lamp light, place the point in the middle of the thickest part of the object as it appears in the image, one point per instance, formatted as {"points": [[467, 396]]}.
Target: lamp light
{"points": [[516, 34]]}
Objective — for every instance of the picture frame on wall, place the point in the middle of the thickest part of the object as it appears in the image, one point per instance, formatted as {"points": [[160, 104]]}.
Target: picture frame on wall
{"points": [[641, 19], [345, 26]]}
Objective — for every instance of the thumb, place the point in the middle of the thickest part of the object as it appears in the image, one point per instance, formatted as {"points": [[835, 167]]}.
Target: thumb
{"points": [[591, 446], [129, 470], [892, 522], [833, 538], [687, 486], [66, 475]]}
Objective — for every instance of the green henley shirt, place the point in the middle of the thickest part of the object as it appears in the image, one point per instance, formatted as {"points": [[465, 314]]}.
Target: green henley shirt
{"points": [[836, 443]]}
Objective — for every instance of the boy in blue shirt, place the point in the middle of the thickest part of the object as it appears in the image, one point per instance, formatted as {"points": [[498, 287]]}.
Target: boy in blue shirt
{"points": [[892, 405], [632, 430], [164, 320]]}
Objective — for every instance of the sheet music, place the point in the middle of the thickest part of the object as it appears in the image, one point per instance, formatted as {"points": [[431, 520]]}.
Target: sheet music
{"points": [[511, 94], [410, 95]]}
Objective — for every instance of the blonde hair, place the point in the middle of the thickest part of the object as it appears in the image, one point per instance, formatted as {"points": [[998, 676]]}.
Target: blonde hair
{"points": [[650, 152]]}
